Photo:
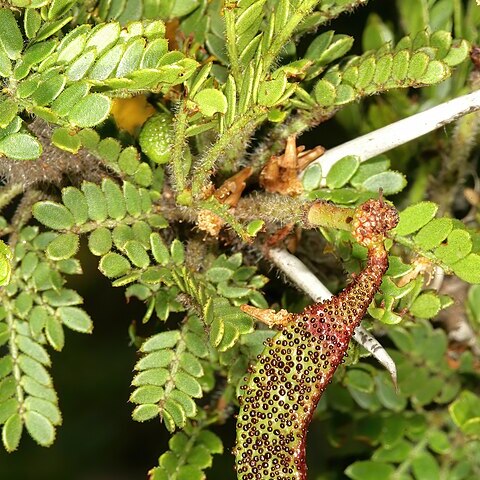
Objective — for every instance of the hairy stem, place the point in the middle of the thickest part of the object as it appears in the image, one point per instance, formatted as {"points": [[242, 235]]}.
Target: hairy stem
{"points": [[271, 208], [9, 192], [178, 148], [242, 127]]}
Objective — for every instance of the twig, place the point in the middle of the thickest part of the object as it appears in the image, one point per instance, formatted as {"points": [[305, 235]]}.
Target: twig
{"points": [[243, 125], [299, 274]]}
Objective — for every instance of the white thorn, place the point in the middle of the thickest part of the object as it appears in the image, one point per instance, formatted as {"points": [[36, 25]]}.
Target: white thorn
{"points": [[398, 133]]}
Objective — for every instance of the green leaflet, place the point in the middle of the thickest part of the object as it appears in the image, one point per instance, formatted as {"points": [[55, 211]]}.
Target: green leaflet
{"points": [[415, 217], [11, 37], [190, 452], [6, 257]]}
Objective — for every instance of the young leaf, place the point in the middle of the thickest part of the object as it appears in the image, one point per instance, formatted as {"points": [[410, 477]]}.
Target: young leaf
{"points": [[66, 140], [114, 265], [64, 246], [12, 432], [390, 182], [458, 246], [369, 470], [427, 305], [100, 241], [76, 319], [433, 233], [10, 35], [468, 268], [211, 101], [40, 428]]}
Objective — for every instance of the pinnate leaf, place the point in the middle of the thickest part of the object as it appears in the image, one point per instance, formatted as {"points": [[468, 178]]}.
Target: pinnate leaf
{"points": [[145, 412], [211, 101], [369, 470], [433, 233], [114, 265], [64, 246], [90, 110], [20, 146], [12, 432], [390, 182], [468, 268], [426, 305], [10, 35], [458, 246]]}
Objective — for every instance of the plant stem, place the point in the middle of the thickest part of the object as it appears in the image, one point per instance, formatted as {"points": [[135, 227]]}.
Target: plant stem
{"points": [[239, 129], [271, 208], [323, 214], [178, 147], [12, 346], [405, 465], [300, 274], [23, 213]]}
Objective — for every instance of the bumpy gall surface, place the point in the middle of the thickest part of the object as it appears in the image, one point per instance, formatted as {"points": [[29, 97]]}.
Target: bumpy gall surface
{"points": [[297, 364]]}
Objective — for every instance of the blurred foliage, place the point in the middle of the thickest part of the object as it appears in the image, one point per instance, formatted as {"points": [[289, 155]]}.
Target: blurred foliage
{"points": [[127, 124]]}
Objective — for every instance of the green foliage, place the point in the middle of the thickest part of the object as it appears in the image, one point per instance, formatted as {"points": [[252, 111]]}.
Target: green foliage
{"points": [[464, 412], [35, 308], [228, 83], [60, 81], [190, 452], [6, 257], [350, 181], [445, 242]]}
